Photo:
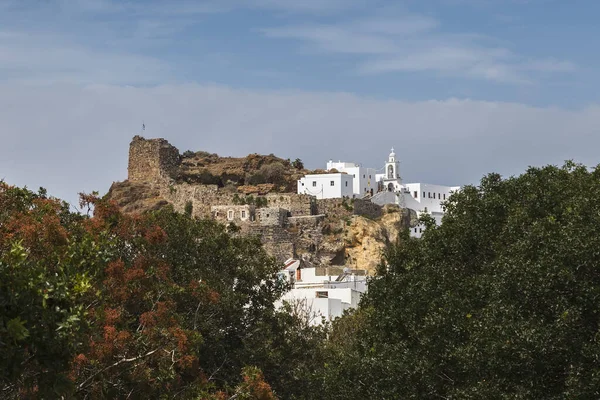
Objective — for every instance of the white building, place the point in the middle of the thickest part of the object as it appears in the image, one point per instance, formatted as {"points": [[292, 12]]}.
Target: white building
{"points": [[364, 180], [353, 180], [391, 180], [319, 296], [326, 186], [426, 198], [420, 197]]}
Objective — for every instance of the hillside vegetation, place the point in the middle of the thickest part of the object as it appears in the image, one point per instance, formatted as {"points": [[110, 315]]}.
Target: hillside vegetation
{"points": [[252, 170]]}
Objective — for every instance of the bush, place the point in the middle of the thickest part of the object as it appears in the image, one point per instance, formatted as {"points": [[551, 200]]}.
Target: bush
{"points": [[273, 173], [188, 208], [256, 179], [298, 164]]}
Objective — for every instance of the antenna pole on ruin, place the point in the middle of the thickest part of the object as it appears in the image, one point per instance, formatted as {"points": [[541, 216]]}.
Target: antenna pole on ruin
{"points": [[143, 127]]}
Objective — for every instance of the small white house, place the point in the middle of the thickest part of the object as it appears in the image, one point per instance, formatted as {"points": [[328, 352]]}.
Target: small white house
{"points": [[321, 297], [326, 186]]}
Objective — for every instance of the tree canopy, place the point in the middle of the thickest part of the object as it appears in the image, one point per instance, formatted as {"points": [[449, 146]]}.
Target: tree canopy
{"points": [[500, 302], [156, 305]]}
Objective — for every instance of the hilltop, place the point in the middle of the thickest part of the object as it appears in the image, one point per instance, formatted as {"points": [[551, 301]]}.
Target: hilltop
{"points": [[256, 195]]}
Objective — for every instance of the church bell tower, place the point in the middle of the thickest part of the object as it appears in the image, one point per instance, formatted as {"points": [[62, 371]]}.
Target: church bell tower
{"points": [[392, 180]]}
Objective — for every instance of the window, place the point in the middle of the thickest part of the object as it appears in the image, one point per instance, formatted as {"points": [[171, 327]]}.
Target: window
{"points": [[230, 214], [314, 183], [243, 214], [364, 176], [420, 230], [423, 194], [415, 194], [354, 175], [302, 183], [346, 183], [429, 195], [444, 196], [332, 183], [415, 230], [322, 295], [439, 196], [369, 176]]}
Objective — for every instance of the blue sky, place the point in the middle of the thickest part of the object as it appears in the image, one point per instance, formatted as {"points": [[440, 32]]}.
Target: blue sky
{"points": [[440, 77], [537, 52]]}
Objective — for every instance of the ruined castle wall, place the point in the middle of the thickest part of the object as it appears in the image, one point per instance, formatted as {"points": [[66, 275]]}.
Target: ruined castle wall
{"points": [[272, 216], [305, 222], [343, 208], [202, 197], [242, 214], [152, 160], [335, 208], [296, 204], [276, 240]]}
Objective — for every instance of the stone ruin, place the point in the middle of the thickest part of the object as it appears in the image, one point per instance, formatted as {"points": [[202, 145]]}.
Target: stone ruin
{"points": [[289, 224]]}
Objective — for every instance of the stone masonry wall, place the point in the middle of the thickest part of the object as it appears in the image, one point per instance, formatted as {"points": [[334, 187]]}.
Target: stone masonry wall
{"points": [[273, 216], [241, 214], [335, 208], [342, 208], [277, 241], [152, 160], [307, 222], [296, 204], [202, 197]]}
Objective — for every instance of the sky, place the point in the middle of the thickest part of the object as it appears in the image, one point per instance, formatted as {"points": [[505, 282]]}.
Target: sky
{"points": [[460, 88]]}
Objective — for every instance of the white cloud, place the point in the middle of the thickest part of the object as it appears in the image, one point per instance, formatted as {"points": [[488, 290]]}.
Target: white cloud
{"points": [[48, 58], [417, 43], [71, 138], [310, 6]]}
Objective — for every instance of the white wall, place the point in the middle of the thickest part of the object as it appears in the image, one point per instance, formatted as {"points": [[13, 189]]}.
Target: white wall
{"points": [[430, 196], [326, 186], [332, 307], [364, 179], [423, 196]]}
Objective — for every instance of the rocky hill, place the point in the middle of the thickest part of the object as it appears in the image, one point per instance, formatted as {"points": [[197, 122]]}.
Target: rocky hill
{"points": [[257, 195]]}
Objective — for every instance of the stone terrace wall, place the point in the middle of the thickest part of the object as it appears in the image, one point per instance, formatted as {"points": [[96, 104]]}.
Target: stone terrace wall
{"points": [[152, 160]]}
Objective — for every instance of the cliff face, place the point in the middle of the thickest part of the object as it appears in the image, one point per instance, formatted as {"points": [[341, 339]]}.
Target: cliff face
{"points": [[330, 232], [362, 241]]}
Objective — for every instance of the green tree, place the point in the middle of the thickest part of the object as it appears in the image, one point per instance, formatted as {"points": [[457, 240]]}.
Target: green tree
{"points": [[155, 305], [273, 173], [500, 301], [298, 164]]}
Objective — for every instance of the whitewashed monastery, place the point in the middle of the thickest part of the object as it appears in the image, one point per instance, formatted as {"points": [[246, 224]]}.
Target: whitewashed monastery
{"points": [[351, 180]]}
